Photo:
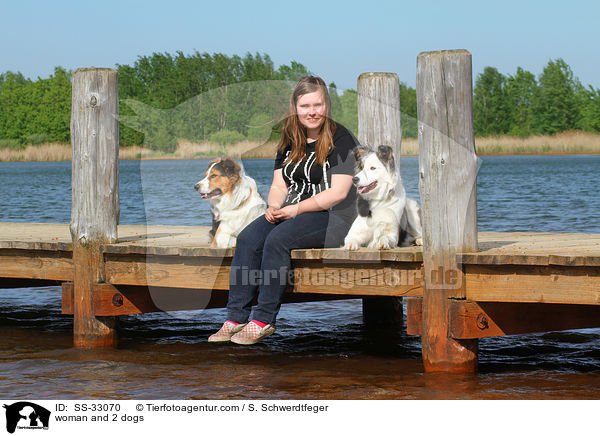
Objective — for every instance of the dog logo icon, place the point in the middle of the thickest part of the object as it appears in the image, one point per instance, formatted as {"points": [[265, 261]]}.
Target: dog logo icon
{"points": [[26, 415]]}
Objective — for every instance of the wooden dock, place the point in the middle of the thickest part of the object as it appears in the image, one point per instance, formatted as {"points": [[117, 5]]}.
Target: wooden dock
{"points": [[164, 268], [460, 286]]}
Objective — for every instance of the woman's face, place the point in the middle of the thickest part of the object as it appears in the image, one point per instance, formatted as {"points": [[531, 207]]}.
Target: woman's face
{"points": [[311, 110]]}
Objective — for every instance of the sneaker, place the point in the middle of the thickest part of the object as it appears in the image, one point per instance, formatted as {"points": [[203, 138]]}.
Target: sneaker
{"points": [[252, 333], [226, 332]]}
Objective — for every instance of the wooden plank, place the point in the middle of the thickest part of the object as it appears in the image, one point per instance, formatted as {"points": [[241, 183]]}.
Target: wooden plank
{"points": [[495, 248], [35, 236], [112, 300], [470, 320], [523, 248], [133, 300], [526, 284], [480, 320], [448, 188], [400, 254], [168, 271], [165, 240], [385, 279], [391, 279], [43, 265]]}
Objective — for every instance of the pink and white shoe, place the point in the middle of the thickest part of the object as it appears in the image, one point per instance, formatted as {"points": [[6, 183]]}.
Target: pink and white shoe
{"points": [[226, 332], [252, 333]]}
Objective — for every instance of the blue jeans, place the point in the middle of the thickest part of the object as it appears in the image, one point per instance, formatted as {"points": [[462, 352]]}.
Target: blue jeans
{"points": [[262, 260]]}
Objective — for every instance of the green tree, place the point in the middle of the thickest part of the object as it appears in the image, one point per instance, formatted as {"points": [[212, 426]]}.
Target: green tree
{"points": [[590, 111], [13, 105], [349, 118], [54, 112], [337, 111], [408, 110], [259, 129], [491, 113], [294, 72], [166, 88], [521, 91], [556, 107]]}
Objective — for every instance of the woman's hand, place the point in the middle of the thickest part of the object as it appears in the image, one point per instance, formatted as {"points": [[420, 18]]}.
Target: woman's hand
{"points": [[285, 213], [269, 214]]}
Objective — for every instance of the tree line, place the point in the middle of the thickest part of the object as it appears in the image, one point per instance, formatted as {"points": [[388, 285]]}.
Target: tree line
{"points": [[521, 105], [165, 97], [225, 99]]}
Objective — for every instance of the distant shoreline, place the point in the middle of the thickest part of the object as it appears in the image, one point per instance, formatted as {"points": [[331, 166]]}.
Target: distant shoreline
{"points": [[566, 143]]}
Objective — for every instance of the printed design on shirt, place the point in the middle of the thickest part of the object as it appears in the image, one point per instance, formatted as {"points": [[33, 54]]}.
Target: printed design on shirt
{"points": [[301, 188]]}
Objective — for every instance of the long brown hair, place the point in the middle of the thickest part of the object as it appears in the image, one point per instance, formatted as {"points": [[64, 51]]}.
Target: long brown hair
{"points": [[295, 133]]}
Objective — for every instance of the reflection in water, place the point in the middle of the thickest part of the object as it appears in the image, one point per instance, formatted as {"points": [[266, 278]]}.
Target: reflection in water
{"points": [[337, 357]]}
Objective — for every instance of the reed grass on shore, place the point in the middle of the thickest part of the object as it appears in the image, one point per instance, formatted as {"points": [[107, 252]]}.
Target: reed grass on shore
{"points": [[37, 153], [573, 142]]}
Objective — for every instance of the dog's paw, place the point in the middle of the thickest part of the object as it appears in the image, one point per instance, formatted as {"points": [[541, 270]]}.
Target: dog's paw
{"points": [[351, 245], [222, 241], [381, 244]]}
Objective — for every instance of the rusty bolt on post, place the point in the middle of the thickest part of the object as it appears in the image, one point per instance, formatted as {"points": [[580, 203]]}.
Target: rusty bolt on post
{"points": [[117, 300], [482, 321]]}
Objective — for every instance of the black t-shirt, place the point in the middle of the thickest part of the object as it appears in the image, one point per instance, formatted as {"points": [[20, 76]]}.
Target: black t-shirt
{"points": [[305, 179]]}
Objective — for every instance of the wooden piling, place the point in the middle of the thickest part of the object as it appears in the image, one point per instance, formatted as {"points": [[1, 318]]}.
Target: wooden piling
{"points": [[95, 196], [379, 124], [379, 111], [448, 187]]}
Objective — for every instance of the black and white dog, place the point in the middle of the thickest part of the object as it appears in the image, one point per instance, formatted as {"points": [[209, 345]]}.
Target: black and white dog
{"points": [[386, 217]]}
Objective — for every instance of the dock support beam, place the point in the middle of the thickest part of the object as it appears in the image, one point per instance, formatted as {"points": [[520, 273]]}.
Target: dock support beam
{"points": [[95, 196], [448, 187], [379, 124]]}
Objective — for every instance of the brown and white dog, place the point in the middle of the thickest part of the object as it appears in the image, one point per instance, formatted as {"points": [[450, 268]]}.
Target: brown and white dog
{"points": [[234, 200]]}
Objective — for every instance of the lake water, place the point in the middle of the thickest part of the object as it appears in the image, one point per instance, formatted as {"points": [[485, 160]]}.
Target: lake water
{"points": [[321, 350]]}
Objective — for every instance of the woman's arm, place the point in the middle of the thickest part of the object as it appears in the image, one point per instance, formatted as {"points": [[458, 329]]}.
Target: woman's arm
{"points": [[277, 195], [340, 186], [278, 191]]}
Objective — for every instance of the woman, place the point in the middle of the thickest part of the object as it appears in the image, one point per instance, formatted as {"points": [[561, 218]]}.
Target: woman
{"points": [[311, 204]]}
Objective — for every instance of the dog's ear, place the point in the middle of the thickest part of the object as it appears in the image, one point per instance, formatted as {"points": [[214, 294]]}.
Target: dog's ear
{"points": [[385, 153], [359, 152], [386, 156], [230, 167], [213, 162]]}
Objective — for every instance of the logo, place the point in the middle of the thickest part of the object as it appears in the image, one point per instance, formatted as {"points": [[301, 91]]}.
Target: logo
{"points": [[25, 415]]}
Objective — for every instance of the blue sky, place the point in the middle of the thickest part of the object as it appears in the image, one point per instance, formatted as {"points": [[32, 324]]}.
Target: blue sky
{"points": [[338, 40]]}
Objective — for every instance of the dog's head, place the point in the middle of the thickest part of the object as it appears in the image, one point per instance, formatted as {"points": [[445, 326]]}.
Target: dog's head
{"points": [[222, 175], [376, 171]]}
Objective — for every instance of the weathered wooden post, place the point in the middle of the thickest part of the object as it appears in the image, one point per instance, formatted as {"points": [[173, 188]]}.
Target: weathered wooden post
{"points": [[95, 196], [379, 111], [448, 187], [379, 124]]}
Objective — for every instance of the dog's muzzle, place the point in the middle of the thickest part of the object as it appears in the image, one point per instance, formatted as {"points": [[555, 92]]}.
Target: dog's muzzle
{"points": [[365, 189]]}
